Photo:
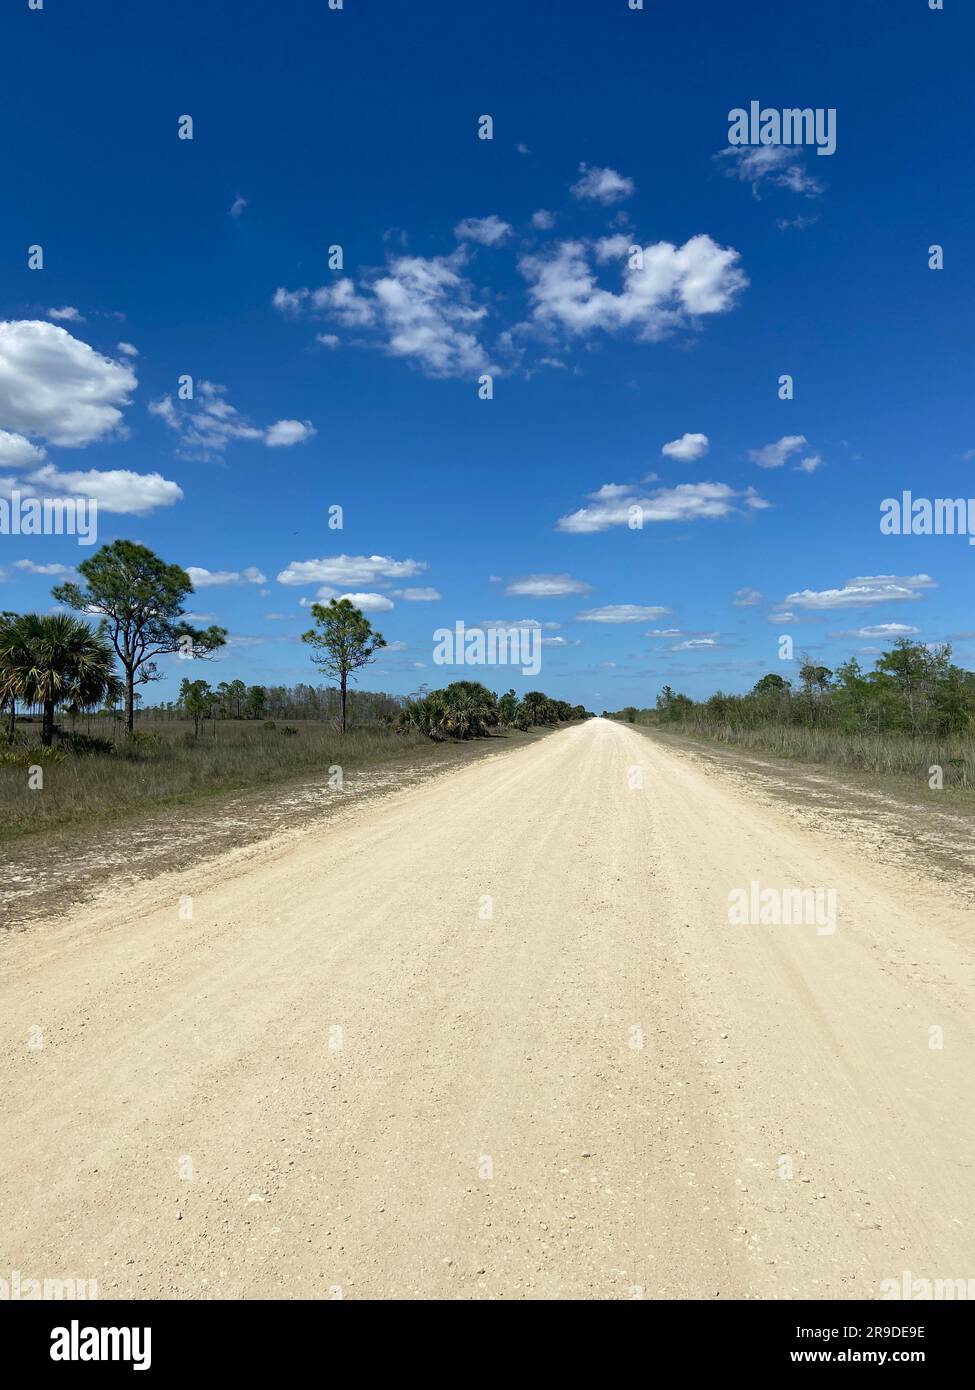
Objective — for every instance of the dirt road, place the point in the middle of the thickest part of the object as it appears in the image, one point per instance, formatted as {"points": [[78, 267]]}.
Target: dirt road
{"points": [[495, 1037]]}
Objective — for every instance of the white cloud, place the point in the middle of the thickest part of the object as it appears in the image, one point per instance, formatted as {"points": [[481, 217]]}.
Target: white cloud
{"points": [[688, 448], [237, 206], [543, 220], [370, 603], [605, 186], [208, 579], [18, 452], [775, 455], [66, 315], [329, 340], [546, 586], [615, 504], [694, 644], [488, 231], [663, 632], [779, 165], [560, 642], [56, 387], [419, 595], [891, 630], [622, 613], [864, 590], [421, 309], [208, 423], [809, 465], [115, 490], [50, 571], [283, 433], [676, 284], [747, 598], [127, 349], [341, 570]]}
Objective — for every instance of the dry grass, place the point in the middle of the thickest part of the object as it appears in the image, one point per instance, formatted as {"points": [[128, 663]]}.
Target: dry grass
{"points": [[886, 754], [170, 765]]}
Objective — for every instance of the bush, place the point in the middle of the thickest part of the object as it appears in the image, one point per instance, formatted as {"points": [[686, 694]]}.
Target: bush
{"points": [[288, 729], [87, 743], [269, 724], [28, 757]]}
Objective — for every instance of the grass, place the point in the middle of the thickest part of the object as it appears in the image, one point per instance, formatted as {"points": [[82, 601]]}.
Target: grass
{"points": [[897, 754], [170, 765]]}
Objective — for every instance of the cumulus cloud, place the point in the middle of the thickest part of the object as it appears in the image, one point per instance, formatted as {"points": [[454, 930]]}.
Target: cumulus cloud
{"points": [[419, 308], [622, 613], [488, 231], [208, 423], [863, 591], [604, 186], [543, 220], [342, 570], [781, 166], [66, 315], [55, 387], [49, 571], [18, 452], [283, 433], [546, 586], [676, 284], [370, 603], [747, 598], [208, 579], [618, 504], [688, 448], [127, 349], [115, 490]]}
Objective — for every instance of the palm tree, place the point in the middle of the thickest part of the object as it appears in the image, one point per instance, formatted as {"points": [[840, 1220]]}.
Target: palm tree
{"points": [[52, 659]]}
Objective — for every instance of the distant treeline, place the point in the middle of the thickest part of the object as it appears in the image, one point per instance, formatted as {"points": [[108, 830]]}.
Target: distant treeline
{"points": [[912, 689], [914, 711], [237, 700]]}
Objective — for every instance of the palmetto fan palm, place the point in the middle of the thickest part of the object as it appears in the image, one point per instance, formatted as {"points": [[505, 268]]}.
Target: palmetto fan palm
{"points": [[54, 659]]}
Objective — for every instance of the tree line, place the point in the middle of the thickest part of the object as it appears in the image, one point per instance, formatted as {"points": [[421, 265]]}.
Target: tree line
{"points": [[57, 661], [913, 689]]}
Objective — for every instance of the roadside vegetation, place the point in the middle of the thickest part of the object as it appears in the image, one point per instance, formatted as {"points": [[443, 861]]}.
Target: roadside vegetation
{"points": [[913, 714], [79, 742]]}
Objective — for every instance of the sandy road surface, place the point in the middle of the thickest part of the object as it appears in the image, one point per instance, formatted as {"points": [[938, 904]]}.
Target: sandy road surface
{"points": [[490, 1126]]}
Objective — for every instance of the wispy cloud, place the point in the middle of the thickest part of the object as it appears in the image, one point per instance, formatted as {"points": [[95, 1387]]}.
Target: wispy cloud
{"points": [[864, 591], [780, 166], [345, 570], [622, 613], [208, 423], [604, 186], [621, 504]]}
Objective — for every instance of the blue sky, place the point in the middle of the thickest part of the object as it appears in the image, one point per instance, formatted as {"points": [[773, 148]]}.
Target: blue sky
{"points": [[359, 387]]}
